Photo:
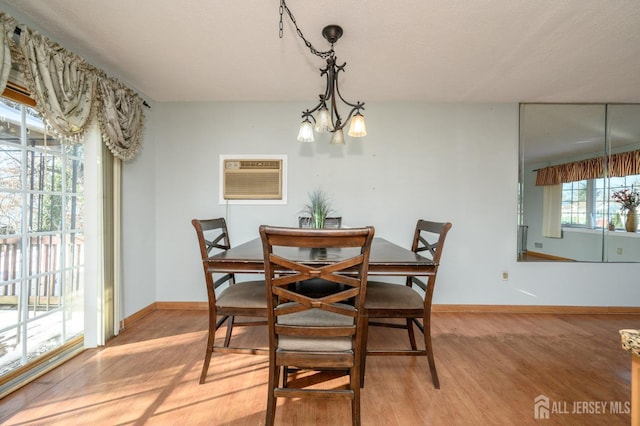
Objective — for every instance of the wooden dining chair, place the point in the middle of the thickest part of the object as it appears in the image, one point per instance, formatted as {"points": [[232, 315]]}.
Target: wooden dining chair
{"points": [[319, 334], [227, 298], [412, 301]]}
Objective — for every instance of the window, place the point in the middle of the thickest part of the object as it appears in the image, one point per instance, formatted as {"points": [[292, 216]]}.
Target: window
{"points": [[588, 203], [574, 203], [616, 216], [41, 239]]}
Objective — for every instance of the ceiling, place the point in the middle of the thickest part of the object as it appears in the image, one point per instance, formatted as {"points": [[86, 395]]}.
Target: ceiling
{"points": [[414, 50]]}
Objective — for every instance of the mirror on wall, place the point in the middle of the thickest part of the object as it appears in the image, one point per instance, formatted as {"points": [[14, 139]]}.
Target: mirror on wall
{"points": [[573, 159]]}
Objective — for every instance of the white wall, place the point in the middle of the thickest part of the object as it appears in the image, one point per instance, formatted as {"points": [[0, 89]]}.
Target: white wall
{"points": [[139, 224], [445, 162]]}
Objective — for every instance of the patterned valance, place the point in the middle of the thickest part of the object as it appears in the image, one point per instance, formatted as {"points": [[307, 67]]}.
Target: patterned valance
{"points": [[70, 92], [622, 164], [62, 83], [121, 121]]}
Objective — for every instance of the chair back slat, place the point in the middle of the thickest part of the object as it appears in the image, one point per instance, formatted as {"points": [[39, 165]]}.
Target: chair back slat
{"points": [[213, 237], [296, 313], [429, 237], [210, 234]]}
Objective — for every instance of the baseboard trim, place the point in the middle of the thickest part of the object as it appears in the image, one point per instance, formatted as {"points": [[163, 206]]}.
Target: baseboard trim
{"points": [[137, 316], [450, 308], [178, 306], [537, 309], [183, 306]]}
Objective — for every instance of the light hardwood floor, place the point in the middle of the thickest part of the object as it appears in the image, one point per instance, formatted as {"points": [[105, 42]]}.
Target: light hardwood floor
{"points": [[491, 368]]}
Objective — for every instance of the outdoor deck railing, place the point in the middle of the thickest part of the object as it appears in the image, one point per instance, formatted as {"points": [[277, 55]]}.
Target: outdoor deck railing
{"points": [[43, 270]]}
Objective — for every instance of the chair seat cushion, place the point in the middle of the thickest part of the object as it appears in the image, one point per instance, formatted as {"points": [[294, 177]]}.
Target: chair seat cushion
{"points": [[381, 295], [248, 294], [315, 317]]}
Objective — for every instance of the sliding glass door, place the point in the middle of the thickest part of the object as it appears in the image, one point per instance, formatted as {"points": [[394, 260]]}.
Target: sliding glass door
{"points": [[41, 240]]}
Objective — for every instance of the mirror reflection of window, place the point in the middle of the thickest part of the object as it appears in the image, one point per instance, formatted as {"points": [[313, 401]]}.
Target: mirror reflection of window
{"points": [[575, 208], [616, 213], [574, 158]]}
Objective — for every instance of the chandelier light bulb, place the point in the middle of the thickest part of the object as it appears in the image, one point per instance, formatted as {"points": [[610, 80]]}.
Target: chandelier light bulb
{"points": [[323, 121], [337, 138], [357, 129], [306, 131]]}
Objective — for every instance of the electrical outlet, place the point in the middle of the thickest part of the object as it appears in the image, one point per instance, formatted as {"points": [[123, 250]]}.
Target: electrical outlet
{"points": [[538, 245], [505, 276], [619, 250]]}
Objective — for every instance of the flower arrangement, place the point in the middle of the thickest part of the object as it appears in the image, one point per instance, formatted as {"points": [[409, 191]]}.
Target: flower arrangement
{"points": [[318, 208], [628, 198]]}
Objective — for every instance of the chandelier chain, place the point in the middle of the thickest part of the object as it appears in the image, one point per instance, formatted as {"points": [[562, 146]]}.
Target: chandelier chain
{"points": [[285, 8]]}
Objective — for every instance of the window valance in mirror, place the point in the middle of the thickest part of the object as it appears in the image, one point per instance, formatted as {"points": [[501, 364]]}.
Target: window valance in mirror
{"points": [[622, 164]]}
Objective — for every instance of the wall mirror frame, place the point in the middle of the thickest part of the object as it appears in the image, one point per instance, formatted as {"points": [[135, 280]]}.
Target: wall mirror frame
{"points": [[573, 158]]}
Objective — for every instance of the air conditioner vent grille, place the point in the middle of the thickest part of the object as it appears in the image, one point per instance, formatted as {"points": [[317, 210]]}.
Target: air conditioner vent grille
{"points": [[252, 179], [259, 164]]}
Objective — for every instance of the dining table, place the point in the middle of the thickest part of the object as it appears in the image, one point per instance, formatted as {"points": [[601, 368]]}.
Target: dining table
{"points": [[386, 258]]}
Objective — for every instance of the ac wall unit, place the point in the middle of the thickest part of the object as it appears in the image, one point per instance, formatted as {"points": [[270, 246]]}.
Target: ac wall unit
{"points": [[252, 179]]}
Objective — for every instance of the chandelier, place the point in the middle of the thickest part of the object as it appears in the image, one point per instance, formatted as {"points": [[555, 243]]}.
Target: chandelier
{"points": [[327, 118]]}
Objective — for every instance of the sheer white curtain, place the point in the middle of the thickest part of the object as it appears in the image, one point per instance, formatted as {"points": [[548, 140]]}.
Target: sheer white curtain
{"points": [[552, 211]]}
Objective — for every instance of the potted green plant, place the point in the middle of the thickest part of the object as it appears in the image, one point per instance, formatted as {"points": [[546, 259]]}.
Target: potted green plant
{"points": [[318, 208]]}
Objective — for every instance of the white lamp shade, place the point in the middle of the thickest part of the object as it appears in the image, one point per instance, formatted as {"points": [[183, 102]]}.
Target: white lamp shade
{"points": [[337, 138], [306, 132], [323, 121], [357, 128]]}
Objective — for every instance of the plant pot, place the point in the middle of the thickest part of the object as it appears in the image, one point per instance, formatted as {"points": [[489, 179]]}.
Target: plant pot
{"points": [[631, 224]]}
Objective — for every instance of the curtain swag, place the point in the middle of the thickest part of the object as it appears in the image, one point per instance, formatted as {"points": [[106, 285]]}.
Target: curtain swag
{"points": [[64, 87], [618, 165], [122, 118], [70, 93]]}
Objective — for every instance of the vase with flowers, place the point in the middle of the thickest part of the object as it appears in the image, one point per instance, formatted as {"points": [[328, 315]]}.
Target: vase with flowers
{"points": [[629, 199]]}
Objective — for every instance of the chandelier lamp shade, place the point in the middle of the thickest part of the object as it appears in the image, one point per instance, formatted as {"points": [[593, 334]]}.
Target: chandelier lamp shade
{"points": [[324, 117]]}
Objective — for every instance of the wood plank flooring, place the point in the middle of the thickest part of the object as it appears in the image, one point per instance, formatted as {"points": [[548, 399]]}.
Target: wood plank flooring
{"points": [[491, 368]]}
